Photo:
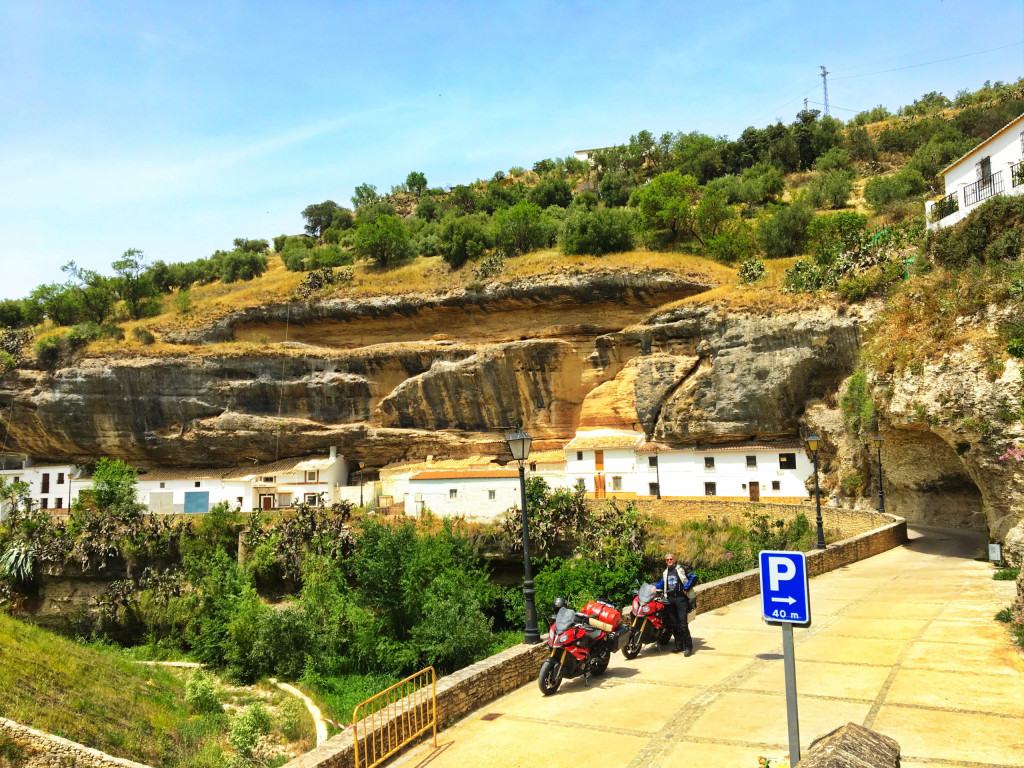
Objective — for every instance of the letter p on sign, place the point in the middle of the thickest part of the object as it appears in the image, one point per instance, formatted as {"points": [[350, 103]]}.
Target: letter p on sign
{"points": [[779, 569]]}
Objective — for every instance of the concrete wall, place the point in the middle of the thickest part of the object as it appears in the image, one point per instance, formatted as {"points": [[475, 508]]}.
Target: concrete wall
{"points": [[42, 750], [472, 497]]}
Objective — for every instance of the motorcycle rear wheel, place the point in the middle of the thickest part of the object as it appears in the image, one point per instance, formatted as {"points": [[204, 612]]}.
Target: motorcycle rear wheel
{"points": [[632, 647], [550, 677], [600, 662]]}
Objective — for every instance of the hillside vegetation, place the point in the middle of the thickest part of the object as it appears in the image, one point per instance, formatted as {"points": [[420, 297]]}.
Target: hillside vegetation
{"points": [[817, 206]]}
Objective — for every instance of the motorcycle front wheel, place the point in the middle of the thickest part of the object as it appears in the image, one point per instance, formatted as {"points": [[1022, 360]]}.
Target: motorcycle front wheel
{"points": [[632, 647], [550, 677]]}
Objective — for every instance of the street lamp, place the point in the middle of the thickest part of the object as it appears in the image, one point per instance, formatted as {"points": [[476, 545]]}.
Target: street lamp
{"points": [[519, 444], [881, 495], [657, 471], [361, 465], [812, 443]]}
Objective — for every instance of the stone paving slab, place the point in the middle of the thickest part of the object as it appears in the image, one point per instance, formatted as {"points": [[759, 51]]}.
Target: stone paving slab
{"points": [[904, 643]]}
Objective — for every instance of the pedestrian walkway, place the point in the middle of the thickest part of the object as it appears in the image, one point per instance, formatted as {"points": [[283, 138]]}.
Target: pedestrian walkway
{"points": [[904, 643]]}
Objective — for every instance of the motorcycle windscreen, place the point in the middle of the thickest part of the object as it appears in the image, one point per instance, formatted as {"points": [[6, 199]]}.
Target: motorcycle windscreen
{"points": [[647, 593], [564, 619]]}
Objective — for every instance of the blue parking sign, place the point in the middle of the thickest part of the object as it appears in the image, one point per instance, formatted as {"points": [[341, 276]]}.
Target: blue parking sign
{"points": [[785, 598]]}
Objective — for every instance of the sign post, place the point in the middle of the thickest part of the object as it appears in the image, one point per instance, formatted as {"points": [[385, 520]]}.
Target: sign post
{"points": [[785, 601]]}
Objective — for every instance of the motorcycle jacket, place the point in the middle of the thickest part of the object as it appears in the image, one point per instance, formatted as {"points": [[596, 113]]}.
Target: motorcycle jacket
{"points": [[676, 580]]}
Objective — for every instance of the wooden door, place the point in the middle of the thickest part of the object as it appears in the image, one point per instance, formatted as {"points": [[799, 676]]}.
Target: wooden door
{"points": [[598, 486], [755, 491], [266, 501], [599, 461]]}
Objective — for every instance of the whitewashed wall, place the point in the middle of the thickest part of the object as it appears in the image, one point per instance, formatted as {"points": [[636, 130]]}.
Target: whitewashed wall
{"points": [[683, 473], [168, 496], [66, 491], [472, 498]]}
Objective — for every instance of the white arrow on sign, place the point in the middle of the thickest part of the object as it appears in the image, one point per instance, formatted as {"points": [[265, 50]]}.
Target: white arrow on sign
{"points": [[789, 600]]}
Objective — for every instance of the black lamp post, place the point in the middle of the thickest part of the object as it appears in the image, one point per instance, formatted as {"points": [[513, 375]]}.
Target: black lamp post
{"points": [[881, 494], [361, 465], [812, 443], [519, 444], [657, 470]]}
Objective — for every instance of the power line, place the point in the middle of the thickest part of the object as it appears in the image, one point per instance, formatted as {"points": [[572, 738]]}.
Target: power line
{"points": [[928, 63], [844, 109]]}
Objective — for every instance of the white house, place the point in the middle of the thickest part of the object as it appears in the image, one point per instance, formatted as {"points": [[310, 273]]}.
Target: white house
{"points": [[754, 471], [993, 167], [395, 478], [550, 466], [50, 486], [476, 494], [603, 462], [192, 491]]}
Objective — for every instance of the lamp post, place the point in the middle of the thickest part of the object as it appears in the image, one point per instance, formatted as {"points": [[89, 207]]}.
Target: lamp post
{"points": [[361, 465], [812, 443], [657, 470], [881, 494], [519, 444]]}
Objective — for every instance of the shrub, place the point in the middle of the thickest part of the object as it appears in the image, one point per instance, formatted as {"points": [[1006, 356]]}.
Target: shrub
{"points": [[830, 236], [850, 483], [784, 233], [143, 336], [7, 361], [551, 190], [737, 241], [1006, 574], [762, 183], [836, 159], [522, 228], [872, 282], [830, 189], [596, 232], [464, 238], [858, 410], [291, 718], [882, 190], [201, 693], [233, 266], [751, 270], [279, 242], [969, 241], [182, 302], [385, 241], [247, 728], [49, 350]]}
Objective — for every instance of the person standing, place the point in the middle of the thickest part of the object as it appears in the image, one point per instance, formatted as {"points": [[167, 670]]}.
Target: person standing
{"points": [[674, 582]]}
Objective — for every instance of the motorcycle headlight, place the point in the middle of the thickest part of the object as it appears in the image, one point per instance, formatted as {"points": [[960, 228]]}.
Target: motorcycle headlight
{"points": [[563, 638]]}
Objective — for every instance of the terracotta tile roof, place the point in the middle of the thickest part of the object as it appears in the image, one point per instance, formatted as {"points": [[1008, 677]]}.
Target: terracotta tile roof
{"points": [[279, 467], [467, 474], [585, 441], [469, 462], [185, 473], [781, 445], [650, 448], [548, 457]]}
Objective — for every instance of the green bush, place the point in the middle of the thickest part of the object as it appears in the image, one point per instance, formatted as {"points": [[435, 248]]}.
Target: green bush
{"points": [[596, 232], [143, 336], [292, 718], [551, 190], [465, 238], [49, 349], [247, 728], [751, 270], [1006, 574], [858, 409], [784, 233], [836, 159], [182, 301], [986, 227], [385, 241], [872, 282], [522, 228], [882, 190], [279, 242], [201, 693], [830, 189]]}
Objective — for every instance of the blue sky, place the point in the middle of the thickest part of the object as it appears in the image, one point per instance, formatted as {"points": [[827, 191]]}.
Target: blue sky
{"points": [[176, 127]]}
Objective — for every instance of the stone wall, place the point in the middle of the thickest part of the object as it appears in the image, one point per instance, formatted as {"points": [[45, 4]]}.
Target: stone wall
{"points": [[42, 750], [839, 523]]}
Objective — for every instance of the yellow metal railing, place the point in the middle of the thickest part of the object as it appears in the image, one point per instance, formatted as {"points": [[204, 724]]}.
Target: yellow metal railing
{"points": [[395, 717]]}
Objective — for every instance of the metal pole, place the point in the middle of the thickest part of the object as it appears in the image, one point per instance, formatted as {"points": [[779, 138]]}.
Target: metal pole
{"points": [[817, 502], [881, 495], [532, 635], [792, 719], [360, 486]]}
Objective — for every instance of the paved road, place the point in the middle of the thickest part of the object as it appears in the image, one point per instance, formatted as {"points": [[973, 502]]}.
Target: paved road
{"points": [[904, 643]]}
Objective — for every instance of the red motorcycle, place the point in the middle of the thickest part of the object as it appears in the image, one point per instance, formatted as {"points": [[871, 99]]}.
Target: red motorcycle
{"points": [[648, 623], [581, 643]]}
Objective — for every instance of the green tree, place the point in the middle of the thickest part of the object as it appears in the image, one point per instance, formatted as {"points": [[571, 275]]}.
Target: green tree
{"points": [[464, 238], [12, 313], [94, 293], [318, 217], [522, 228], [596, 231], [134, 285], [784, 233], [464, 199], [250, 246], [114, 488], [364, 195], [615, 187], [385, 241], [416, 182], [668, 204], [830, 189], [551, 190]]}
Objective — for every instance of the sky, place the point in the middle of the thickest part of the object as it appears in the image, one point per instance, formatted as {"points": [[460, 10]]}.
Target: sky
{"points": [[176, 127]]}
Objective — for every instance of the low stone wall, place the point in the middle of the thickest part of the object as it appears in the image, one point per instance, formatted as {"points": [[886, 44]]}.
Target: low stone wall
{"points": [[458, 694], [29, 748], [840, 523]]}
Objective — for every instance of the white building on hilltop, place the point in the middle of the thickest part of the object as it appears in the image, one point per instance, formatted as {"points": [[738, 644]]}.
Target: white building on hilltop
{"points": [[994, 167], [50, 486]]}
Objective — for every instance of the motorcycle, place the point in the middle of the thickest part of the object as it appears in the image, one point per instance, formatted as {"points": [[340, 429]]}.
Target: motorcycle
{"points": [[582, 643], [648, 623]]}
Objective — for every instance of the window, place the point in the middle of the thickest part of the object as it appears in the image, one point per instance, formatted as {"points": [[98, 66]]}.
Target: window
{"points": [[59, 503], [709, 489], [1022, 142], [533, 466], [579, 455], [776, 485], [709, 462], [46, 482], [312, 499], [266, 479], [60, 478], [652, 461], [492, 495], [599, 461], [581, 483], [787, 461], [652, 489], [162, 485], [311, 476], [751, 462], [985, 171], [453, 493], [616, 483], [44, 503], [198, 484]]}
